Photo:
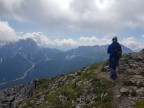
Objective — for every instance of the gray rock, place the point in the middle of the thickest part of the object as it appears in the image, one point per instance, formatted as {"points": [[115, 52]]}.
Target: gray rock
{"points": [[63, 98], [5, 105], [138, 59], [2, 96], [23, 91], [132, 103], [29, 90], [124, 90], [118, 96], [39, 102], [0, 104], [129, 71], [140, 92], [10, 98], [138, 77], [138, 71]]}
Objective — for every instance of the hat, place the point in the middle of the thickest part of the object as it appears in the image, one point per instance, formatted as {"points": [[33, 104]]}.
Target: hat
{"points": [[114, 39]]}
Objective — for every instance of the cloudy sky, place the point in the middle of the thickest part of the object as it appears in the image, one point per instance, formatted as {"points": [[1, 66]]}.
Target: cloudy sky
{"points": [[72, 23]]}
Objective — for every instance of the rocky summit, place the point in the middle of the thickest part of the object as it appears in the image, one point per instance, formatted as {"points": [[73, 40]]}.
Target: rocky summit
{"points": [[90, 87]]}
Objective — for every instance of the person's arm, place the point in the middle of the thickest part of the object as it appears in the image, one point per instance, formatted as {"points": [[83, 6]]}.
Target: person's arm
{"points": [[109, 49]]}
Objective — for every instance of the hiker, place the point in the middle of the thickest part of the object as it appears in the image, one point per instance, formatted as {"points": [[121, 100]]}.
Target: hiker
{"points": [[115, 52]]}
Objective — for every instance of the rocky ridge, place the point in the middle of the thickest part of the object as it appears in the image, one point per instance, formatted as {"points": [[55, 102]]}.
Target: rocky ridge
{"points": [[89, 87], [129, 88]]}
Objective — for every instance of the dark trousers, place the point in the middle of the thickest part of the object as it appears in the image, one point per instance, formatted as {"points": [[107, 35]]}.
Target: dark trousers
{"points": [[113, 63]]}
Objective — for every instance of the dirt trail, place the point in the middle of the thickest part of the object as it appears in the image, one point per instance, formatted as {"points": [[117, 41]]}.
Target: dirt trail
{"points": [[119, 100]]}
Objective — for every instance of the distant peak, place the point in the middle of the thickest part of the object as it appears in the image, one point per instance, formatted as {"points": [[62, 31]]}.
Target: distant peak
{"points": [[27, 40], [27, 43]]}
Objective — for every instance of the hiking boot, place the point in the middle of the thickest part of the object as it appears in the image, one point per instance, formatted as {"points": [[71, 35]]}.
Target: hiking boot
{"points": [[114, 77]]}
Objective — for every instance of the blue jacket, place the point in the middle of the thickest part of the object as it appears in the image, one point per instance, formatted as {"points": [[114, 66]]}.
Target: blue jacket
{"points": [[111, 50], [113, 59]]}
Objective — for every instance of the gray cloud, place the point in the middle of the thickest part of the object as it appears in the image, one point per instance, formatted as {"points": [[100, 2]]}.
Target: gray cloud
{"points": [[90, 15], [6, 32], [133, 43]]}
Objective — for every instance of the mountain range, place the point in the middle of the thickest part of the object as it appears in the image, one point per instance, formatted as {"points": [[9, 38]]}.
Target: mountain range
{"points": [[88, 87], [23, 61]]}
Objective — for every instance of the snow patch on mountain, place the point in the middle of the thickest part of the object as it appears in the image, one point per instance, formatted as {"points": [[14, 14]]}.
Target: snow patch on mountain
{"points": [[70, 57]]}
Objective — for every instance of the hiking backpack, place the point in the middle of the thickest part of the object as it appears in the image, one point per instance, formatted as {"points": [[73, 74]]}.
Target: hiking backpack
{"points": [[117, 50]]}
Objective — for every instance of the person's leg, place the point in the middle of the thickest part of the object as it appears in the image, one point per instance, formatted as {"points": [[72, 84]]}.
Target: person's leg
{"points": [[112, 73], [112, 67], [115, 74]]}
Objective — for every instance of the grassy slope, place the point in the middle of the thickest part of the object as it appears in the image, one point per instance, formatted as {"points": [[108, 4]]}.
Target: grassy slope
{"points": [[79, 87]]}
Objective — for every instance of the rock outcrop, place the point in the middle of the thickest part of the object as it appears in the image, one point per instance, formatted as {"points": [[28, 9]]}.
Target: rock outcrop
{"points": [[11, 96], [131, 80]]}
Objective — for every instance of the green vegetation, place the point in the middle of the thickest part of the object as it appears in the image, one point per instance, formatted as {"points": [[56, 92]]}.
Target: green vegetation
{"points": [[141, 84], [68, 94], [102, 89], [128, 83], [139, 103], [96, 65], [134, 94], [26, 102], [126, 56], [88, 75], [96, 92]]}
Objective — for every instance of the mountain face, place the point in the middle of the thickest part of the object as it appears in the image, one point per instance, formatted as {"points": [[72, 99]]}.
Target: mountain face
{"points": [[89, 87], [96, 53], [18, 60], [2, 43], [24, 60]]}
